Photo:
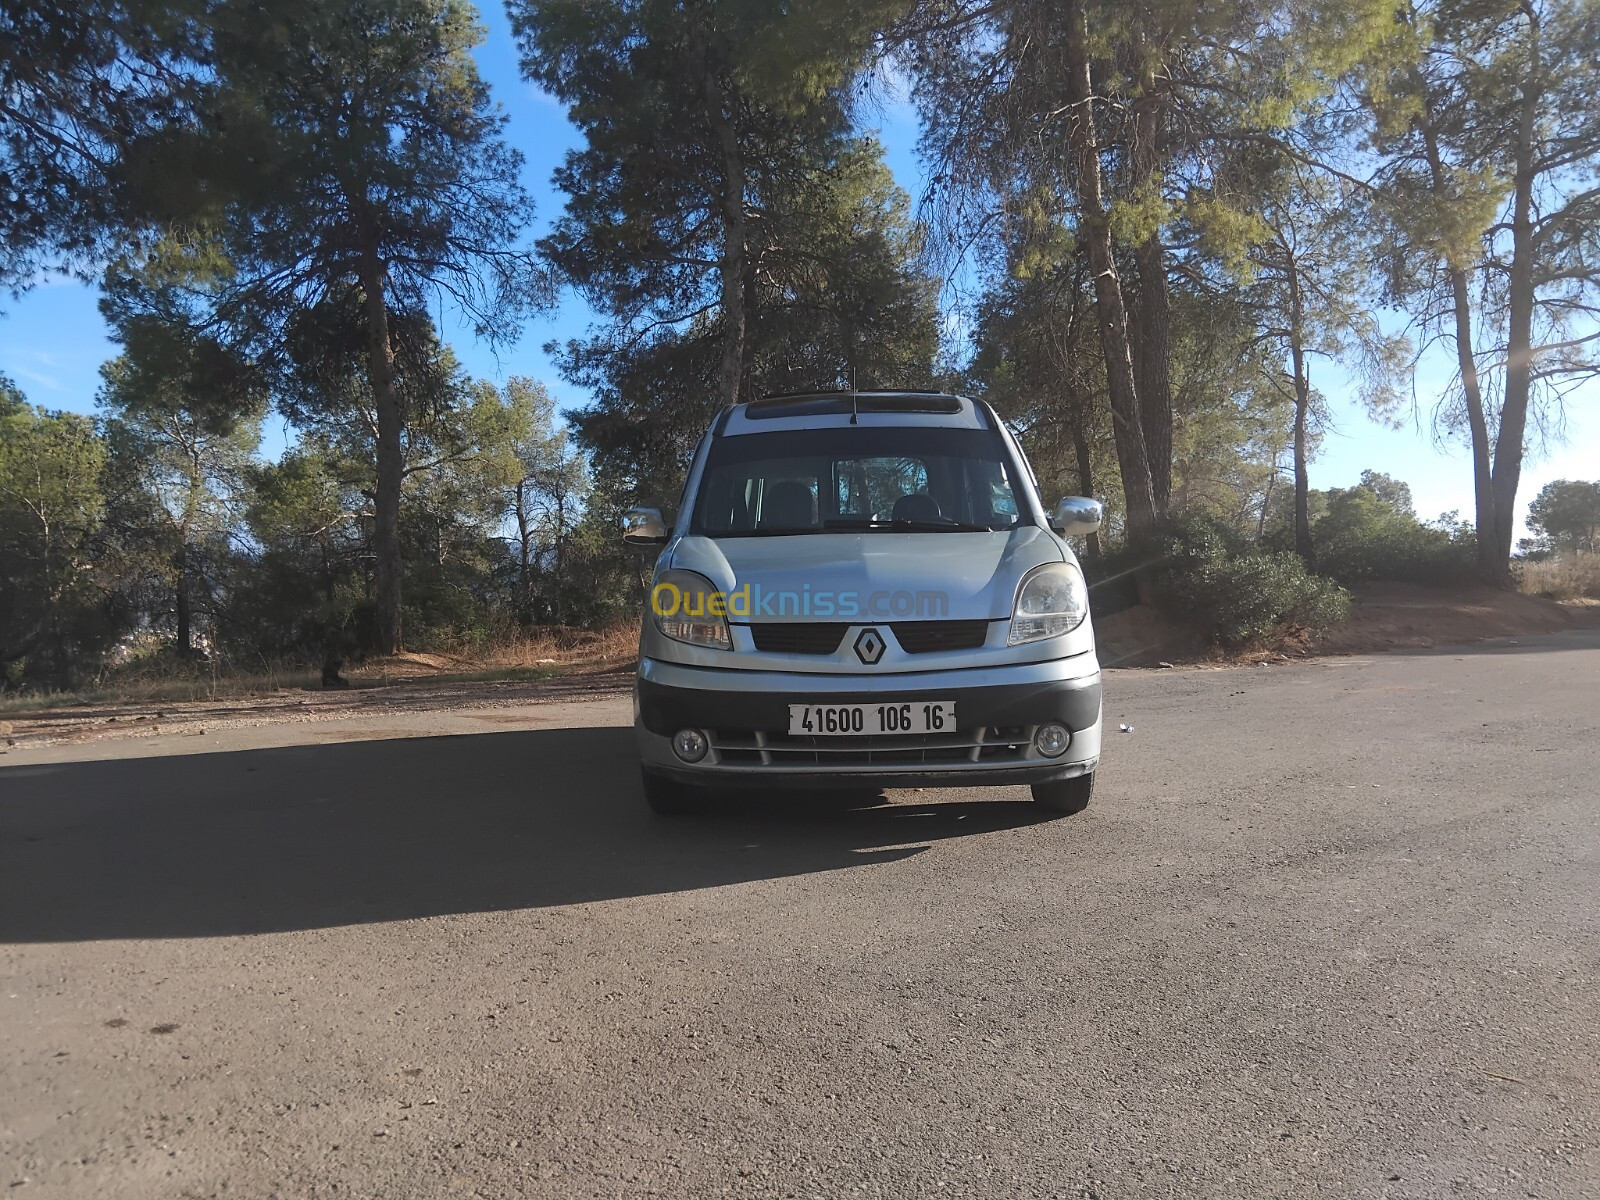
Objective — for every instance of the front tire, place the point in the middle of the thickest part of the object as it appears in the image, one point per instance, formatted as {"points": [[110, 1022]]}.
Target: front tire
{"points": [[669, 797], [1065, 796]]}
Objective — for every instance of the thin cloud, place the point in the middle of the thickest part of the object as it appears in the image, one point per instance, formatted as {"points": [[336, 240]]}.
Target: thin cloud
{"points": [[44, 381]]}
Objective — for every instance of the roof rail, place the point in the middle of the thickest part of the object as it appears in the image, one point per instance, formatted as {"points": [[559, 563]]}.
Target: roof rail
{"points": [[852, 403], [819, 393]]}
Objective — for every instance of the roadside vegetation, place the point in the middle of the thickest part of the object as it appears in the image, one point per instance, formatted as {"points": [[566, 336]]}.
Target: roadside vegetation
{"points": [[1573, 578], [1561, 561], [1150, 249]]}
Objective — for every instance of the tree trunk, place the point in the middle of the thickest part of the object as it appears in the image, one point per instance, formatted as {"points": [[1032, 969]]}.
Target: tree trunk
{"points": [[1152, 307], [1477, 423], [1266, 500], [1467, 366], [847, 343], [1519, 343], [1303, 543], [561, 558], [524, 553], [1302, 419], [185, 619], [391, 465], [735, 252], [1302, 477], [1095, 229], [328, 580], [1153, 368]]}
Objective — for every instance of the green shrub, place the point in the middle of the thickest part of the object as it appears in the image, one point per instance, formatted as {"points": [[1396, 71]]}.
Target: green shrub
{"points": [[1363, 536], [1212, 578]]}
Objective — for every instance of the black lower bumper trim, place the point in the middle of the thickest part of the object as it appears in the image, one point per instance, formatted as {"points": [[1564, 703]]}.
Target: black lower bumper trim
{"points": [[735, 779], [1075, 703]]}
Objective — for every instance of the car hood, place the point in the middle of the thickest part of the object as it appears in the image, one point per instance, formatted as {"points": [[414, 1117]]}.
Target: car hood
{"points": [[871, 575]]}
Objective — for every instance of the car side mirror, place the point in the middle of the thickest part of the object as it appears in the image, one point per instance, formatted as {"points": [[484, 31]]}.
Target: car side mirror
{"points": [[1077, 516], [644, 527]]}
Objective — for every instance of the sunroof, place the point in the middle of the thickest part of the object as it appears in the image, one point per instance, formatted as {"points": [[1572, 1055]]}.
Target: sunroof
{"points": [[833, 403]]}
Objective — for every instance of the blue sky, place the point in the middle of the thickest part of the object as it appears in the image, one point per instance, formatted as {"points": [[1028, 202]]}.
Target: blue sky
{"points": [[53, 340]]}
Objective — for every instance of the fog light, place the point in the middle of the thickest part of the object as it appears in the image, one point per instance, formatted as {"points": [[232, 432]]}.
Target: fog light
{"points": [[691, 745], [1052, 740]]}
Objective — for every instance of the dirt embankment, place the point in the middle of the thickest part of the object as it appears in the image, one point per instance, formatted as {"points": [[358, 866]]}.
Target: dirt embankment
{"points": [[1386, 616], [148, 718], [558, 663], [1391, 616]]}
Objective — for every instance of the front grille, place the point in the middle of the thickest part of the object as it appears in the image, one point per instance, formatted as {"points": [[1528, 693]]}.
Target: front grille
{"points": [[798, 637], [929, 637], [988, 745]]}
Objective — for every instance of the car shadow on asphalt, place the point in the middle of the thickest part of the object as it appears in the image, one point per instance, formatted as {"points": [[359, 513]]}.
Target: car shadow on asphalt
{"points": [[310, 837]]}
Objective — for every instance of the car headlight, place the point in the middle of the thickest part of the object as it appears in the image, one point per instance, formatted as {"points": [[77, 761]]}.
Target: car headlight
{"points": [[1051, 600], [688, 608]]}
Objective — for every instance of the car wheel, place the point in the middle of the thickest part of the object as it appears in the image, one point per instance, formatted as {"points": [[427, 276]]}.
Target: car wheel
{"points": [[669, 797], [1065, 796]]}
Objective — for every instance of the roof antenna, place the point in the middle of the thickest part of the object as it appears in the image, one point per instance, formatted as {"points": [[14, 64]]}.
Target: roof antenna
{"points": [[855, 415]]}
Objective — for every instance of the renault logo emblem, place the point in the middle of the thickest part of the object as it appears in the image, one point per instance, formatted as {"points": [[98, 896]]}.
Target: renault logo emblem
{"points": [[869, 646]]}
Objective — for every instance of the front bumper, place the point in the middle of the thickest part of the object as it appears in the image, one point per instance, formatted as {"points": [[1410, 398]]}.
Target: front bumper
{"points": [[746, 717]]}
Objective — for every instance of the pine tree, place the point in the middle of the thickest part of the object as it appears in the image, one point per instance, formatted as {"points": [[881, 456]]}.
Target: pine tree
{"points": [[383, 175], [1491, 144], [699, 121]]}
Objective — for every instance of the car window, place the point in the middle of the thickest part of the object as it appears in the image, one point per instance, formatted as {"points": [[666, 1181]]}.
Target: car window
{"points": [[802, 481], [869, 487]]}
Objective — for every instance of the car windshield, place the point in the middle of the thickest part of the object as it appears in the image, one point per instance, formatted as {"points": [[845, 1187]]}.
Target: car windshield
{"points": [[901, 479]]}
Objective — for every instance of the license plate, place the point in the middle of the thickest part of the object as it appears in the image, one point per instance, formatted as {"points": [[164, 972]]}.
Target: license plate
{"points": [[910, 716]]}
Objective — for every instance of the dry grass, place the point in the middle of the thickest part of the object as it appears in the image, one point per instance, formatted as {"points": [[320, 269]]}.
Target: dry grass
{"points": [[173, 685], [1575, 577], [554, 649], [567, 647], [557, 650]]}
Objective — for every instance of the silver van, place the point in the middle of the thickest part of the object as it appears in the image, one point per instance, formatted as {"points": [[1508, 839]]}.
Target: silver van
{"points": [[863, 589]]}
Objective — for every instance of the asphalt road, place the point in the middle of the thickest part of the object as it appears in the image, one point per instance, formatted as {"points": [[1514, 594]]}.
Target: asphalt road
{"points": [[1329, 929]]}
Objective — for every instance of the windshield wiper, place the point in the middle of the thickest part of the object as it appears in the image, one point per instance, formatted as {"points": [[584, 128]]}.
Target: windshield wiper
{"points": [[871, 523], [939, 527]]}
